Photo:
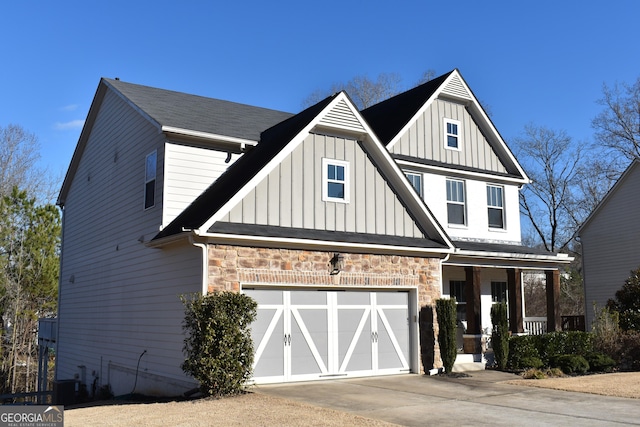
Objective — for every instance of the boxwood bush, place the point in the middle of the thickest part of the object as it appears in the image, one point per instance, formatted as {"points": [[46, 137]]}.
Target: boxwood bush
{"points": [[218, 345], [552, 350], [523, 353], [446, 312]]}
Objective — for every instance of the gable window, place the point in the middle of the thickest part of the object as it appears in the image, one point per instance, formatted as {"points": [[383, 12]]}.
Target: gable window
{"points": [[452, 134], [416, 181], [456, 290], [455, 202], [495, 203], [150, 180], [498, 292], [335, 180]]}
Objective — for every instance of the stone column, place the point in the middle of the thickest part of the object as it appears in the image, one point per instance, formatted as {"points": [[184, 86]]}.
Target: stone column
{"points": [[554, 322], [514, 289]]}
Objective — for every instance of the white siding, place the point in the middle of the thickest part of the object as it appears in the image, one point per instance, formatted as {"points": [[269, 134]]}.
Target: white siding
{"points": [[188, 172], [425, 139], [610, 243], [477, 227], [291, 195], [118, 297]]}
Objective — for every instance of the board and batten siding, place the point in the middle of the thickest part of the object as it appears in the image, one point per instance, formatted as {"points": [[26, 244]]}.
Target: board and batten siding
{"points": [[291, 195], [118, 297], [610, 243], [188, 171], [425, 139]]}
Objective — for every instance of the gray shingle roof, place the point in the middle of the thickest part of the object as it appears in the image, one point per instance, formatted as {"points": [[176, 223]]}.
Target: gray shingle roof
{"points": [[197, 113]]}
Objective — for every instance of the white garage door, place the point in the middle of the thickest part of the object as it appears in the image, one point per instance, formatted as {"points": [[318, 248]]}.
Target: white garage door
{"points": [[302, 335]]}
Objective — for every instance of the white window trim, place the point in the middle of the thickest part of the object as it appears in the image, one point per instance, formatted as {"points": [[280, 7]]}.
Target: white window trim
{"points": [[464, 204], [446, 134], [325, 180], [148, 180], [504, 219], [421, 175]]}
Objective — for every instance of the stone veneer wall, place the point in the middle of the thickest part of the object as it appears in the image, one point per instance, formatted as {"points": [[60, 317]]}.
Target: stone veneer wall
{"points": [[229, 266]]}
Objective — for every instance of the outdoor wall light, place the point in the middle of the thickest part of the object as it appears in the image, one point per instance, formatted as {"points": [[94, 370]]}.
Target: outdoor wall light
{"points": [[337, 263]]}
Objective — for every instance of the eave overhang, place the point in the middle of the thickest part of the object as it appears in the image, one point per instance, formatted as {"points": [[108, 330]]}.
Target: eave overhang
{"points": [[301, 244]]}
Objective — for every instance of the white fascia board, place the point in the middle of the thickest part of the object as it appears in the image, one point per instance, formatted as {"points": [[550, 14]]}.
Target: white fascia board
{"points": [[297, 243], [557, 258], [208, 136], [278, 158], [448, 171]]}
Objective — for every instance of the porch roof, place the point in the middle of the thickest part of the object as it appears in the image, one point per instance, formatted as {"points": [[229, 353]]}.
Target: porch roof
{"points": [[474, 252]]}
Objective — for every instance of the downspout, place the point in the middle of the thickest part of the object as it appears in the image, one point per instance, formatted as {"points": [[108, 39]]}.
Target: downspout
{"points": [[205, 264], [55, 372], [442, 261]]}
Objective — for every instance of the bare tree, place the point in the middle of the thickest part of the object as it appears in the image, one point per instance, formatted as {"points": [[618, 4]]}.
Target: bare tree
{"points": [[19, 156], [426, 76], [618, 126], [363, 91], [552, 162]]}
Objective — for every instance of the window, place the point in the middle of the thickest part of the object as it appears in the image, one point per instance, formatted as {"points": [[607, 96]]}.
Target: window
{"points": [[498, 291], [455, 202], [416, 181], [335, 180], [495, 203], [150, 180], [452, 134], [456, 290]]}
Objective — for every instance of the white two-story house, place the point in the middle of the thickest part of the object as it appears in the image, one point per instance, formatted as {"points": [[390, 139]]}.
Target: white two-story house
{"points": [[345, 226]]}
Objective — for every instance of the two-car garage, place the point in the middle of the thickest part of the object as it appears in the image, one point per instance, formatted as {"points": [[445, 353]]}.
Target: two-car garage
{"points": [[307, 334]]}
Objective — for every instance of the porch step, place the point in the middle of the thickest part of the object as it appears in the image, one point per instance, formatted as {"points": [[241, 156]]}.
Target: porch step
{"points": [[471, 362]]}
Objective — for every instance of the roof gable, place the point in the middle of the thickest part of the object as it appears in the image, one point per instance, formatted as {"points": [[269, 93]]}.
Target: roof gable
{"points": [[394, 118], [277, 143], [627, 178], [178, 113]]}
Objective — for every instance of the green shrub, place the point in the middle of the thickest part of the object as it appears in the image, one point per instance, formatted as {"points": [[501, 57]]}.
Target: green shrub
{"points": [[599, 362], [523, 353], [218, 345], [627, 302], [500, 334], [629, 358], [446, 312], [559, 343], [570, 363]]}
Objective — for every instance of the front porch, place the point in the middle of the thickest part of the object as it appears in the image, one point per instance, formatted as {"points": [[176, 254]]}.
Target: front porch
{"points": [[477, 285]]}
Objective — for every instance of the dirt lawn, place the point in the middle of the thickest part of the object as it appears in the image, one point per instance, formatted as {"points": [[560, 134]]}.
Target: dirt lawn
{"points": [[261, 410]]}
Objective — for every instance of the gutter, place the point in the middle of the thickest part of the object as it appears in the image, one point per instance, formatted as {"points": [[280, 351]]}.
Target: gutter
{"points": [[243, 143]]}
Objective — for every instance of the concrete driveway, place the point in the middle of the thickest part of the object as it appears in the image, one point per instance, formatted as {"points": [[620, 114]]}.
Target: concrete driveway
{"points": [[481, 399]]}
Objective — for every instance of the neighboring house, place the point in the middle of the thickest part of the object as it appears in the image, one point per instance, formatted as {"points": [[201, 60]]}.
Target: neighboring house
{"points": [[345, 226], [609, 238]]}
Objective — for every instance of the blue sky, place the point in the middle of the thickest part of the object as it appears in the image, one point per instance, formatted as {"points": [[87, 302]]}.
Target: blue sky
{"points": [[541, 62]]}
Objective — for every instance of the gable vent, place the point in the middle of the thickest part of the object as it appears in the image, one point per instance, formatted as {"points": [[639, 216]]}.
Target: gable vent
{"points": [[342, 117], [456, 88]]}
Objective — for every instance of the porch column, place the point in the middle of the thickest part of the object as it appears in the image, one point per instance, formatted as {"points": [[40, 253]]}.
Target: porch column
{"points": [[554, 322], [514, 286], [472, 294], [473, 342]]}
